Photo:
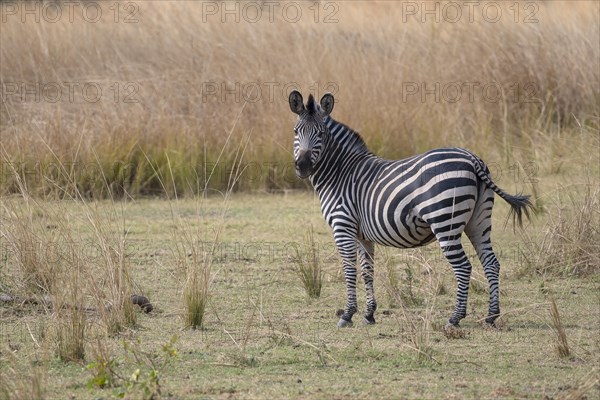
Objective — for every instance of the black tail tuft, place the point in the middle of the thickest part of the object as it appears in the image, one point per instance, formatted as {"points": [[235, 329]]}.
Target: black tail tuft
{"points": [[519, 205]]}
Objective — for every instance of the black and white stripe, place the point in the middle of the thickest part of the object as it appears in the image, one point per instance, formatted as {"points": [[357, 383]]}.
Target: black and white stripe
{"points": [[406, 203]]}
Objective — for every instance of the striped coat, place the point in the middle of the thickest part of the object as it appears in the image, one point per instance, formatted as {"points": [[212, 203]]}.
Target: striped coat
{"points": [[406, 203]]}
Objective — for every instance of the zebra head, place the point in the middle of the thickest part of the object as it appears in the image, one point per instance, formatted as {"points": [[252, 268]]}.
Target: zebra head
{"points": [[310, 132]]}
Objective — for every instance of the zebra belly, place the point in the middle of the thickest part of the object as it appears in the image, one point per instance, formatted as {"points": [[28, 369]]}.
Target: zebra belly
{"points": [[406, 203], [406, 230]]}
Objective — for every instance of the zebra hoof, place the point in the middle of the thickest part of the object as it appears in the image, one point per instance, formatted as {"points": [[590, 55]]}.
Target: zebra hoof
{"points": [[490, 326], [491, 320], [452, 331], [369, 320], [344, 324]]}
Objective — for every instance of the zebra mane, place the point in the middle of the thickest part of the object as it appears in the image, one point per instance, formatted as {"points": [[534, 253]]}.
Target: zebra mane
{"points": [[346, 136], [311, 105]]}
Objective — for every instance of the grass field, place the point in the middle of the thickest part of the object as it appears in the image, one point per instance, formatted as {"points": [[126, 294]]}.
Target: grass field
{"points": [[174, 183], [263, 337]]}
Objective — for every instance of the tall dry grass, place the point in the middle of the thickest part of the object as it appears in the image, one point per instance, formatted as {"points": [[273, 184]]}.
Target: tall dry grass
{"points": [[20, 383], [569, 243], [308, 265], [49, 263], [561, 344], [170, 60]]}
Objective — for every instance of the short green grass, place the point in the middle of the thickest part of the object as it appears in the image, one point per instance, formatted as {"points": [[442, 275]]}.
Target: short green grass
{"points": [[263, 338]]}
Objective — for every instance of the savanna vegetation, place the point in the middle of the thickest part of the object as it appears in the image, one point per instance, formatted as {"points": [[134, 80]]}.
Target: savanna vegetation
{"points": [[155, 94], [148, 153]]}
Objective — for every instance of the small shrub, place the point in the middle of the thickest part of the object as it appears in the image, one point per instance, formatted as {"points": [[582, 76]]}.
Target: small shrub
{"points": [[143, 382], [103, 368]]}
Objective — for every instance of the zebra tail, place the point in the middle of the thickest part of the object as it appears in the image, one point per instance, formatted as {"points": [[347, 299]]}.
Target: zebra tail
{"points": [[520, 204]]}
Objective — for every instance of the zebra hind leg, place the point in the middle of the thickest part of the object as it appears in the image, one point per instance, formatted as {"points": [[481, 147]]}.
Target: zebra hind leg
{"points": [[455, 254], [492, 272], [479, 231], [366, 251], [491, 267]]}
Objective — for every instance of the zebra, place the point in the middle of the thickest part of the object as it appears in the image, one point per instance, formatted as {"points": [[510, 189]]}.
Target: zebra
{"points": [[368, 200]]}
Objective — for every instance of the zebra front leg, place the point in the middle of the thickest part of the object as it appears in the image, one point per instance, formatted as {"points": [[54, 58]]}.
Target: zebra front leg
{"points": [[347, 248], [366, 251]]}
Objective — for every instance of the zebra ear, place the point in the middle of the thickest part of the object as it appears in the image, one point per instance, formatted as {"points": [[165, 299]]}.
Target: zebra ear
{"points": [[296, 104], [327, 103]]}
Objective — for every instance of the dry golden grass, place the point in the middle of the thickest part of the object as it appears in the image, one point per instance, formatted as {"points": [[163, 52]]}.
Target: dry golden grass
{"points": [[561, 344], [308, 265], [23, 384], [170, 61], [570, 244]]}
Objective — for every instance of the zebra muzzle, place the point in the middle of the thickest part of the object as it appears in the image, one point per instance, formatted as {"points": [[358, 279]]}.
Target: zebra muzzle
{"points": [[303, 164]]}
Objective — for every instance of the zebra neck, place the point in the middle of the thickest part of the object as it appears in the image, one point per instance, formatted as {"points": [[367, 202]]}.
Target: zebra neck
{"points": [[343, 150], [345, 137]]}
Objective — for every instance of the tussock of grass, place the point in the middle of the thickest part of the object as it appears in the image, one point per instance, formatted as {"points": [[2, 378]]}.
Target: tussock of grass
{"points": [[196, 288], [68, 308], [561, 344], [112, 292], [194, 260], [29, 246], [308, 265], [70, 335], [419, 332]]}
